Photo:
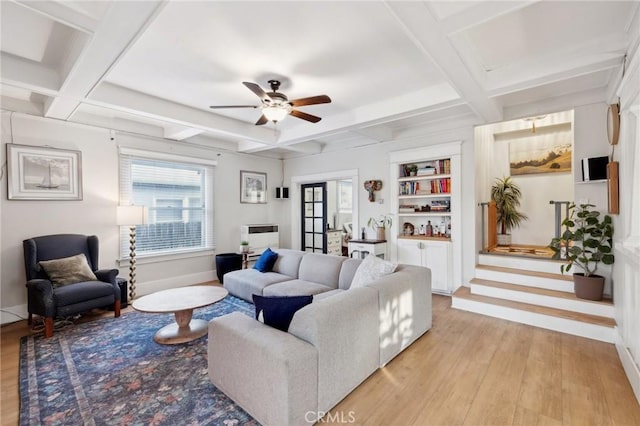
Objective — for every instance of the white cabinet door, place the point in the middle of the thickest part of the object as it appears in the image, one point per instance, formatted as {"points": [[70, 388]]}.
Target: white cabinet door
{"points": [[409, 252], [437, 258]]}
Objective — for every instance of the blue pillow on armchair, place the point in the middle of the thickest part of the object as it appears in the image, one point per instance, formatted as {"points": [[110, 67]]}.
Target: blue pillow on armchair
{"points": [[278, 311], [266, 261]]}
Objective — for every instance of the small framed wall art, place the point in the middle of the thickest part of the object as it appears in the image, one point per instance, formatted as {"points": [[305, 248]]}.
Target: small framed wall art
{"points": [[253, 187], [43, 173]]}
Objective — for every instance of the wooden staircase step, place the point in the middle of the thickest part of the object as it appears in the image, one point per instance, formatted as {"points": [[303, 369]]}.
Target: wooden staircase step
{"points": [[537, 274], [537, 290], [465, 293]]}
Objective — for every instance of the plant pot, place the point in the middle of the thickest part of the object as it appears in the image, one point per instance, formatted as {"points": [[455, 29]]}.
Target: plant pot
{"points": [[504, 239], [382, 233], [589, 288], [244, 248]]}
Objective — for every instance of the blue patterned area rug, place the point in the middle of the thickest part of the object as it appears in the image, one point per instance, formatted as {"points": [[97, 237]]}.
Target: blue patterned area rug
{"points": [[111, 372]]}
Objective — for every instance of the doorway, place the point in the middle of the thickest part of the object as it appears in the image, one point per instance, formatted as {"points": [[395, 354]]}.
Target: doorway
{"points": [[314, 217]]}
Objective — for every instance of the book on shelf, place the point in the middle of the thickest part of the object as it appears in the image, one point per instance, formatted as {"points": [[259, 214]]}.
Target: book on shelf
{"points": [[441, 186], [426, 171]]}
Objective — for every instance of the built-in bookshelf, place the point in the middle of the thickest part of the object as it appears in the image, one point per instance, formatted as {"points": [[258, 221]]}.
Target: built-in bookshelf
{"points": [[425, 200]]}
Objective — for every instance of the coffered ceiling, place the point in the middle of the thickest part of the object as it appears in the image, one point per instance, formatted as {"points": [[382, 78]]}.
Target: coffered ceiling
{"points": [[155, 67]]}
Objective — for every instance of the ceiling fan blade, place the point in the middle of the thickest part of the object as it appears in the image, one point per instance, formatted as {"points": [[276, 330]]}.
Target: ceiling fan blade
{"points": [[305, 116], [257, 90], [233, 106], [262, 120], [313, 100]]}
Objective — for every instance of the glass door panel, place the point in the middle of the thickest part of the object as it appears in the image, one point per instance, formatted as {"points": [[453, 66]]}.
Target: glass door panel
{"points": [[314, 217]]}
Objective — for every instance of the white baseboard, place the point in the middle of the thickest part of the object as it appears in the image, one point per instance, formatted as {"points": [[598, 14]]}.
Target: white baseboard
{"points": [[149, 287], [13, 313], [629, 365], [16, 313]]}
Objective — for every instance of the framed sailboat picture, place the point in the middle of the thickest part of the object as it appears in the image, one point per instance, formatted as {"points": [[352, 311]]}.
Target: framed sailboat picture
{"points": [[43, 173]]}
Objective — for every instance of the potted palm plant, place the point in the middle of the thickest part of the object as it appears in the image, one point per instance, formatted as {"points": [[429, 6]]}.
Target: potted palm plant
{"points": [[380, 224], [506, 195], [585, 242]]}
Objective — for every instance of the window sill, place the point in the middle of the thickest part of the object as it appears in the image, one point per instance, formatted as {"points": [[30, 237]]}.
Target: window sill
{"points": [[158, 258]]}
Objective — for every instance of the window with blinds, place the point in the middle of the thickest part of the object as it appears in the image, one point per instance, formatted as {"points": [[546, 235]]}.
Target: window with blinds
{"points": [[179, 197]]}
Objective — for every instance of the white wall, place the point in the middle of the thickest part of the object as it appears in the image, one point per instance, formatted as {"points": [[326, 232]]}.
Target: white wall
{"points": [[372, 162], [96, 213], [626, 269], [537, 189]]}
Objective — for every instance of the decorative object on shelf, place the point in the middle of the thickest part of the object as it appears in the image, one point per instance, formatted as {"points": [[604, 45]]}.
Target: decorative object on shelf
{"points": [[506, 195], [131, 216], [253, 187], [372, 185], [585, 242], [244, 246], [412, 169], [381, 224], [43, 173], [613, 123], [408, 228]]}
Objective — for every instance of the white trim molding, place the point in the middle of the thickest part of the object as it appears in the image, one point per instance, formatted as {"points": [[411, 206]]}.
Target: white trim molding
{"points": [[630, 367]]}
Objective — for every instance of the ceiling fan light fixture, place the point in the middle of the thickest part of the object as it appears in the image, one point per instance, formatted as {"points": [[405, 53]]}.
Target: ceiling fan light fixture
{"points": [[276, 113]]}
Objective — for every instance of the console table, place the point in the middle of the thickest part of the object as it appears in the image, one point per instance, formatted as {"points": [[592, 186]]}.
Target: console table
{"points": [[362, 248]]}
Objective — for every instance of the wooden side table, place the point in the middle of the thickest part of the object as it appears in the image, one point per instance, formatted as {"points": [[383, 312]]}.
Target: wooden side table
{"points": [[245, 258]]}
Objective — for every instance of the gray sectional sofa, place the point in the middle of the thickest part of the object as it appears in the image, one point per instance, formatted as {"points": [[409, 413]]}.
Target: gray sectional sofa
{"points": [[333, 344]]}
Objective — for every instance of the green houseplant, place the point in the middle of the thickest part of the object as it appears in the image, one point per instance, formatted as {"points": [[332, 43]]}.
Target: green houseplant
{"points": [[244, 246], [506, 195], [586, 242], [381, 223]]}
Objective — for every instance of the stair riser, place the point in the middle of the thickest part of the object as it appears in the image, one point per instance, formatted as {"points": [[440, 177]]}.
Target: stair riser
{"points": [[537, 265], [576, 328], [543, 300], [540, 282]]}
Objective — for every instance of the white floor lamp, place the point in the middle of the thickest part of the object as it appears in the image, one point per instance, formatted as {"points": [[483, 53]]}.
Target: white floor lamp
{"points": [[131, 216]]}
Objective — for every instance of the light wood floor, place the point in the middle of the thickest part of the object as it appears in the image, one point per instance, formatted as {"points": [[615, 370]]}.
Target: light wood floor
{"points": [[467, 370]]}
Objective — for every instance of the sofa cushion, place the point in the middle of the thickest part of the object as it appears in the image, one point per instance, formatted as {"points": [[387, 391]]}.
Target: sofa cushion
{"points": [[321, 269], [288, 262], [295, 288], [326, 294], [68, 270], [277, 311], [371, 269], [247, 282], [81, 292], [266, 261], [348, 271]]}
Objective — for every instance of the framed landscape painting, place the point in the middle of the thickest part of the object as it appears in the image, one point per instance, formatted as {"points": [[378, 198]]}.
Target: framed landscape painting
{"points": [[43, 173], [253, 187], [549, 155]]}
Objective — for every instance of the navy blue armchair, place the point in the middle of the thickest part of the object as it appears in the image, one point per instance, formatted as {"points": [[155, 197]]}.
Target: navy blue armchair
{"points": [[71, 299]]}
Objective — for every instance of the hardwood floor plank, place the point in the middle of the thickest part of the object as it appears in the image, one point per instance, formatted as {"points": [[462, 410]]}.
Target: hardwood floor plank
{"points": [[468, 369]]}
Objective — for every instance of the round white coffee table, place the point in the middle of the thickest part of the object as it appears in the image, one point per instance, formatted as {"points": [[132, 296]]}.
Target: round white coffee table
{"points": [[181, 301]]}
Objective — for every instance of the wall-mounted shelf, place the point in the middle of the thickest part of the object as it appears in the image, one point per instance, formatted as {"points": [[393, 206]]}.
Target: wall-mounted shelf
{"points": [[591, 181]]}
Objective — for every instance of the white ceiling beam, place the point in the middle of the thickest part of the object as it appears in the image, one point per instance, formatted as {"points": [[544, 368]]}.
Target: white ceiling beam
{"points": [[19, 105], [378, 133], [63, 14], [480, 13], [403, 106], [531, 75], [121, 26], [123, 99], [180, 132], [422, 28], [589, 57], [28, 75]]}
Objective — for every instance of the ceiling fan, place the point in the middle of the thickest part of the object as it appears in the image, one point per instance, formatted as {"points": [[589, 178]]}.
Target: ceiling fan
{"points": [[276, 106]]}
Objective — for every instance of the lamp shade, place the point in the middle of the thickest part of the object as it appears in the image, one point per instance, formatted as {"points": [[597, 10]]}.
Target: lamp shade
{"points": [[132, 215], [275, 112]]}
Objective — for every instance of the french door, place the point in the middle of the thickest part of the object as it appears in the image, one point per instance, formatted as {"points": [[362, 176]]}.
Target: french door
{"points": [[314, 217]]}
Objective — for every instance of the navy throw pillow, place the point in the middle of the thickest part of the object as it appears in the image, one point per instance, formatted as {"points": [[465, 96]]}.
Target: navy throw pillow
{"points": [[277, 312], [266, 261]]}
